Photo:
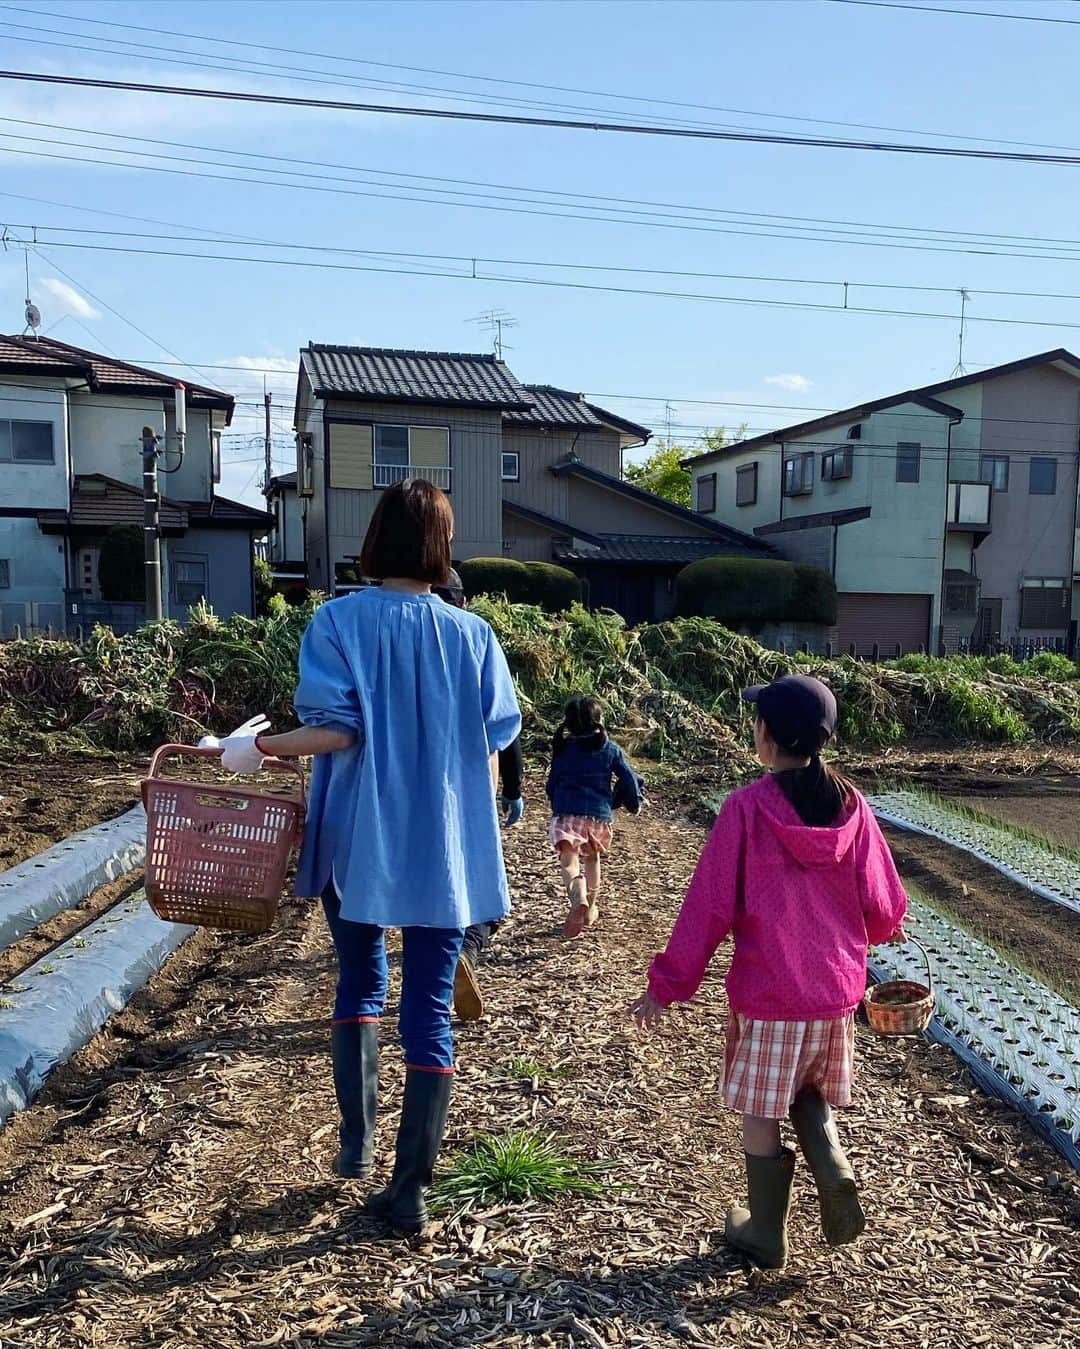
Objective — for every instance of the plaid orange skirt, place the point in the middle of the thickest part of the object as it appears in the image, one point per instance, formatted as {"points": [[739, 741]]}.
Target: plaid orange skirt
{"points": [[767, 1063]]}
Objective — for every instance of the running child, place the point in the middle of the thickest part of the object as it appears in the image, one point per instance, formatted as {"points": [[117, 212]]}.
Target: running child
{"points": [[797, 871], [584, 766]]}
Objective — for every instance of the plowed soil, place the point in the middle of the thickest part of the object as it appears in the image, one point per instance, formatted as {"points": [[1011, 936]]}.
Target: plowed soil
{"points": [[172, 1186]]}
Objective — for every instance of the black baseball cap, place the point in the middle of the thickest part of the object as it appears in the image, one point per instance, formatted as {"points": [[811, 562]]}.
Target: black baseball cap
{"points": [[453, 590], [799, 711]]}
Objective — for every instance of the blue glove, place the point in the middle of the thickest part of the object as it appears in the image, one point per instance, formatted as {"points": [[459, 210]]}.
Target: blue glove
{"points": [[512, 809]]}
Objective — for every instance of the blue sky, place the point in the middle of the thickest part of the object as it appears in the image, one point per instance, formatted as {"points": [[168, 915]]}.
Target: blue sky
{"points": [[745, 63]]}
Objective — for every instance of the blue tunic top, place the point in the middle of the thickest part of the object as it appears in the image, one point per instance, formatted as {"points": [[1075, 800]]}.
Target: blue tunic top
{"points": [[405, 819]]}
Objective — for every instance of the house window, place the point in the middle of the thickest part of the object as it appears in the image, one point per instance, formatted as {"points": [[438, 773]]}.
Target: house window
{"points": [[305, 457], [5, 573], [960, 597], [994, 469], [26, 442], [837, 464], [1044, 602], [412, 452], [799, 475], [215, 456], [746, 485], [706, 493], [189, 580], [1042, 477], [511, 466], [908, 461]]}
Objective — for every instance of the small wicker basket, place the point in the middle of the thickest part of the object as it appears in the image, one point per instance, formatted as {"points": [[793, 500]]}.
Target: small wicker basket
{"points": [[901, 1006], [216, 855]]}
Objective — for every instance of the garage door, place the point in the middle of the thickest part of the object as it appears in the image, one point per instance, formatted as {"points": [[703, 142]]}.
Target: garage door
{"points": [[884, 619]]}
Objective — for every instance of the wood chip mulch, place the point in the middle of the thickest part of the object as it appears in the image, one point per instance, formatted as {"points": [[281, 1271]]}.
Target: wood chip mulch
{"points": [[172, 1186]]}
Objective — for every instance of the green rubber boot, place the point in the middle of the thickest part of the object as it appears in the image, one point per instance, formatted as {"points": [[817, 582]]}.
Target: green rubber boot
{"points": [[760, 1231], [842, 1217]]}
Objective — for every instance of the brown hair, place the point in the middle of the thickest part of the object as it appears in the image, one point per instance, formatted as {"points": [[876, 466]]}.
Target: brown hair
{"points": [[409, 534]]}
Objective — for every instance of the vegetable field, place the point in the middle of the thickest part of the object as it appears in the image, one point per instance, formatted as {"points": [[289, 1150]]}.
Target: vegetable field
{"points": [[170, 1183]]}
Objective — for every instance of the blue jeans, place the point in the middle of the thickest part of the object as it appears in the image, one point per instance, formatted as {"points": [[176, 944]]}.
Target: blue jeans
{"points": [[429, 957]]}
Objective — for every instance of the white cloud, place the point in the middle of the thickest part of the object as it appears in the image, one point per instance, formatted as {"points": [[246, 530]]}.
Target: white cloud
{"points": [[74, 304], [790, 383]]}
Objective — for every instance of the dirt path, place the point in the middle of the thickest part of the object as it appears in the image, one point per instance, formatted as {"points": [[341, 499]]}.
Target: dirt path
{"points": [[172, 1186]]}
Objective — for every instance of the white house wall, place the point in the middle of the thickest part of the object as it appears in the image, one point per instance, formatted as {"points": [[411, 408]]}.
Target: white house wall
{"points": [[106, 434], [43, 487]]}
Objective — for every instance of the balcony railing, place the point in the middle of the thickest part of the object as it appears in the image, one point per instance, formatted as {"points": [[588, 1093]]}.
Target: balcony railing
{"points": [[969, 505], [387, 475]]}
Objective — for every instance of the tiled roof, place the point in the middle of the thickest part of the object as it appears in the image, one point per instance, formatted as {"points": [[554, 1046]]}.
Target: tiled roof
{"points": [[104, 374], [560, 407], [376, 374], [101, 502], [223, 513], [285, 480], [647, 548]]}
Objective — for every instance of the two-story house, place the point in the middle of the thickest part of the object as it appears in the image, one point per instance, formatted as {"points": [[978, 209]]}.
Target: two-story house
{"points": [[533, 472], [947, 515], [71, 425]]}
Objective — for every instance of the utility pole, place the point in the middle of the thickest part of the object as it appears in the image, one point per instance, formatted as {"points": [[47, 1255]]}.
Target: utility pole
{"points": [[151, 444], [268, 442], [151, 525]]}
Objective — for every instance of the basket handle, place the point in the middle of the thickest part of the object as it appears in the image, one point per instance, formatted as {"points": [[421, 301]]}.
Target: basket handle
{"points": [[914, 941], [193, 751]]}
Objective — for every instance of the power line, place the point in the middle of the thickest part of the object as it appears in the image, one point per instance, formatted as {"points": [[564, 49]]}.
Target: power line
{"points": [[560, 124], [218, 41], [1048, 250], [467, 259], [948, 9], [592, 287], [603, 202]]}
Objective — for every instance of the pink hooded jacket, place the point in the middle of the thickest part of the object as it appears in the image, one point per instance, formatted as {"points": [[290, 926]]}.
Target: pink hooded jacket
{"points": [[802, 903]]}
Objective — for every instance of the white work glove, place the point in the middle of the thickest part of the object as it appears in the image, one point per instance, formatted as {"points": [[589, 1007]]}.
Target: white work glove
{"points": [[238, 750]]}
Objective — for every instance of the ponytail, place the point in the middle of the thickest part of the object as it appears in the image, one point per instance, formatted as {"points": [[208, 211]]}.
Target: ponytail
{"points": [[817, 792]]}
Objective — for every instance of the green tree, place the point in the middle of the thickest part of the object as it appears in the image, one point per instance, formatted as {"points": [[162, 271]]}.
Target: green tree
{"points": [[264, 586], [662, 471]]}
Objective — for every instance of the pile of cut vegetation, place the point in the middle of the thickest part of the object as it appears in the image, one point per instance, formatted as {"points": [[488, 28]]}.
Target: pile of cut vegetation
{"points": [[671, 690]]}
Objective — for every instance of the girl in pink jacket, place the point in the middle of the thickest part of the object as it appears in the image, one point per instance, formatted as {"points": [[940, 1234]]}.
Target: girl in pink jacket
{"points": [[797, 871]]}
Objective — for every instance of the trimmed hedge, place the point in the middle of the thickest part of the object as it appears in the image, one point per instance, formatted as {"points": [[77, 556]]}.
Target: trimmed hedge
{"points": [[496, 576], [747, 592], [552, 588]]}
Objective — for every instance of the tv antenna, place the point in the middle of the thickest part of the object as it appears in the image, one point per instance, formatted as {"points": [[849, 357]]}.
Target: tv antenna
{"points": [[495, 321], [959, 367]]}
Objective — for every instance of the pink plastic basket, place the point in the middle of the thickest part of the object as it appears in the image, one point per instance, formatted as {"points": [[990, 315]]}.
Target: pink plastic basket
{"points": [[216, 855]]}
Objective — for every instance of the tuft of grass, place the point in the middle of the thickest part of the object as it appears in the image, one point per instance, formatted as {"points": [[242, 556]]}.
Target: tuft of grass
{"points": [[513, 1167], [526, 1069]]}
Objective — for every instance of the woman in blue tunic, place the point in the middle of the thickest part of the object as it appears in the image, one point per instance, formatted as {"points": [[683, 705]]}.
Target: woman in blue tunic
{"points": [[405, 702]]}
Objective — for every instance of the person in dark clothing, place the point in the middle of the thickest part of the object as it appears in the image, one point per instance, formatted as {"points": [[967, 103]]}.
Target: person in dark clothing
{"points": [[589, 779], [468, 999]]}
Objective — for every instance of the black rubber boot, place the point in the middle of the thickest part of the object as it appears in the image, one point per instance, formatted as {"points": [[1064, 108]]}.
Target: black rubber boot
{"points": [[420, 1135], [354, 1047], [842, 1218], [760, 1231]]}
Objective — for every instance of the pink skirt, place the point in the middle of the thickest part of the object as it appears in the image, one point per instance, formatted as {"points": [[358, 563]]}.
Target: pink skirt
{"points": [[592, 837], [767, 1063]]}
